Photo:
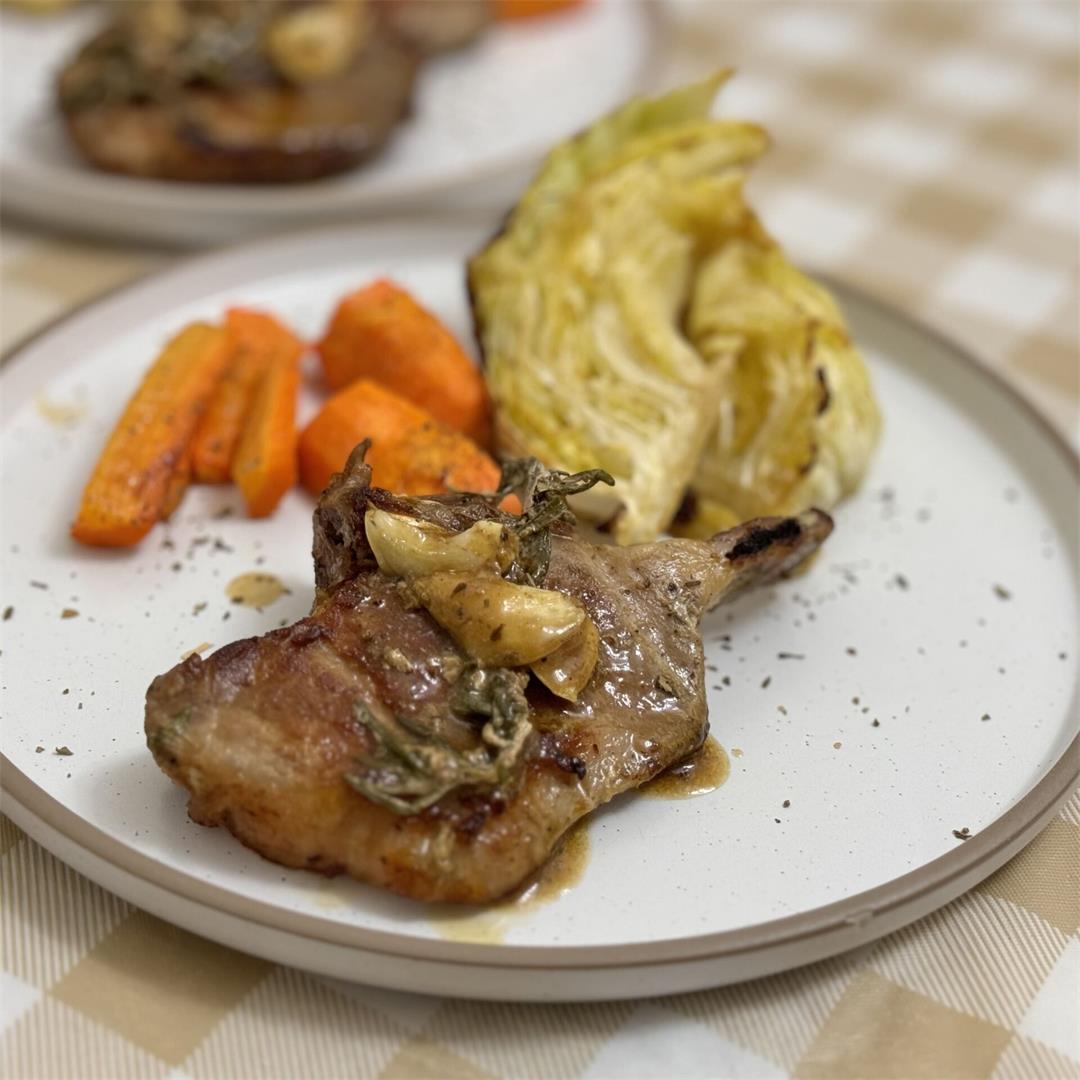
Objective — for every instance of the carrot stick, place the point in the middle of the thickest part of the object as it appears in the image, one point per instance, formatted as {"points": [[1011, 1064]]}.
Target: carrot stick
{"points": [[264, 465], [255, 339], [381, 333], [129, 486], [179, 482], [411, 452]]}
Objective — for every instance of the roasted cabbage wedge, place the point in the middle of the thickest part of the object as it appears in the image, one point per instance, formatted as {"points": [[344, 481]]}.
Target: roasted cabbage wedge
{"points": [[796, 419], [594, 312], [579, 302]]}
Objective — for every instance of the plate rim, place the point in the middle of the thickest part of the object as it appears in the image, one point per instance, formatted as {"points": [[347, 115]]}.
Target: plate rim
{"points": [[973, 859], [113, 192]]}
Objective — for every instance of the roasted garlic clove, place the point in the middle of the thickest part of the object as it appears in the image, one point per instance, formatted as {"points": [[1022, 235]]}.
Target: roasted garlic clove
{"points": [[409, 548], [566, 671], [498, 623], [317, 41]]}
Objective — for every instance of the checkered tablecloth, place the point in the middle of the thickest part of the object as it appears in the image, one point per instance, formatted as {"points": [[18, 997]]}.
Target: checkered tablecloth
{"points": [[924, 151]]}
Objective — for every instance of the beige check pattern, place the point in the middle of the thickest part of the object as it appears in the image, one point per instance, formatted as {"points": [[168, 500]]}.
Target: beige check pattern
{"points": [[989, 986], [927, 152]]}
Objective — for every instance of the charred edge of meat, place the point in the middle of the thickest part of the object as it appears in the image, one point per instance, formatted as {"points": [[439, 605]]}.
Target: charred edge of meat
{"points": [[764, 536], [306, 633], [569, 763], [548, 749]]}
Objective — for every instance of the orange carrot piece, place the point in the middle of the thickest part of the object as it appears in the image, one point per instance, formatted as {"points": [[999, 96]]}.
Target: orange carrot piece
{"points": [[411, 452], [179, 482], [256, 339], [130, 484], [381, 333], [524, 9], [264, 465]]}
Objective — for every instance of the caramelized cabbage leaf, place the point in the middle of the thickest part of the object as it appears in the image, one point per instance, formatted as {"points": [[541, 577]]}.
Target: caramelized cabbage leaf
{"points": [[579, 302], [796, 419], [612, 338]]}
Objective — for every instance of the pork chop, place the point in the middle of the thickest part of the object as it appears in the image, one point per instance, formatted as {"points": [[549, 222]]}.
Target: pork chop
{"points": [[188, 91], [349, 742]]}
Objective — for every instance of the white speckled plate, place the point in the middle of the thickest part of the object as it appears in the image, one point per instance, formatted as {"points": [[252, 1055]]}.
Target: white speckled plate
{"points": [[478, 114], [933, 689]]}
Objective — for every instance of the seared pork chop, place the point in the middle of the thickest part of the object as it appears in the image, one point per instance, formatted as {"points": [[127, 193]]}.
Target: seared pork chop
{"points": [[366, 740], [192, 91]]}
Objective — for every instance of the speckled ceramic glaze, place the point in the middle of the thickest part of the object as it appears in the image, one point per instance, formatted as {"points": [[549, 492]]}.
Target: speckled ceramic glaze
{"points": [[478, 113], [917, 683]]}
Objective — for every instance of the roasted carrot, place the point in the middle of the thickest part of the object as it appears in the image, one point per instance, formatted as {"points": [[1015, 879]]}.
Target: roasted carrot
{"points": [[411, 452], [381, 333], [129, 486], [178, 484], [264, 465], [255, 341], [523, 9]]}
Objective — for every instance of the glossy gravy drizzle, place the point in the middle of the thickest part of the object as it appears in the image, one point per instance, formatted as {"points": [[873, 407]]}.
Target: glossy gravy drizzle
{"points": [[490, 924], [698, 774], [254, 589], [561, 873]]}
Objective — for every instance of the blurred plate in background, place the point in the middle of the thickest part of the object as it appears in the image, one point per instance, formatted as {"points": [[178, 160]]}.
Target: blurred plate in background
{"points": [[484, 114]]}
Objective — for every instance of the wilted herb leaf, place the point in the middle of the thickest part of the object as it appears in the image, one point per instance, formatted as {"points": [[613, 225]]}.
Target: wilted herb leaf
{"points": [[543, 493], [411, 768]]}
